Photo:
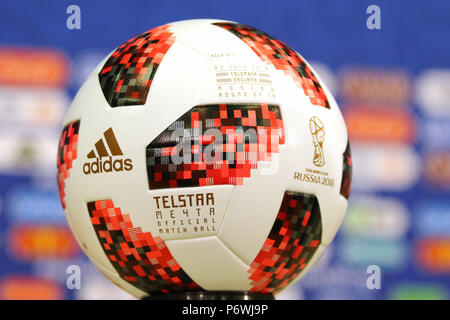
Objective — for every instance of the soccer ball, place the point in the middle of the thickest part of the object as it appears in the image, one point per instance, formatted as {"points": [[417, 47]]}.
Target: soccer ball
{"points": [[204, 155]]}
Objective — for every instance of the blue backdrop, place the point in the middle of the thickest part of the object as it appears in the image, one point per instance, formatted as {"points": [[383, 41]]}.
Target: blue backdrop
{"points": [[393, 85]]}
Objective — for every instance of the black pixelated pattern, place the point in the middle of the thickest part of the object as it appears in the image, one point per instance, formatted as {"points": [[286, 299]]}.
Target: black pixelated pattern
{"points": [[346, 182], [282, 57], [127, 75], [248, 133], [294, 238], [138, 257], [67, 153]]}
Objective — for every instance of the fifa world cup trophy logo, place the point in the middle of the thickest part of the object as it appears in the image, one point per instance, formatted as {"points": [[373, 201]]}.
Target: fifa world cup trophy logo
{"points": [[318, 135]]}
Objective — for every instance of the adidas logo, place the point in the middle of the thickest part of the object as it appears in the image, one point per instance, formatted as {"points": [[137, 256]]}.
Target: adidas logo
{"points": [[103, 155]]}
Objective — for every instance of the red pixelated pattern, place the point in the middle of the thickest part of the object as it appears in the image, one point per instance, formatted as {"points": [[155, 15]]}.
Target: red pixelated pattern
{"points": [[67, 153], [282, 57], [127, 75], [249, 133], [139, 258], [292, 241], [346, 182]]}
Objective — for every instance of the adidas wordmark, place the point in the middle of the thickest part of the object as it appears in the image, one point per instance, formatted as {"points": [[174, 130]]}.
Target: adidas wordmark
{"points": [[108, 157]]}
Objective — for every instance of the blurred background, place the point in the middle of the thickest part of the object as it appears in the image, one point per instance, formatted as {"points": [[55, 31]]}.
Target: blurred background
{"points": [[392, 84]]}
